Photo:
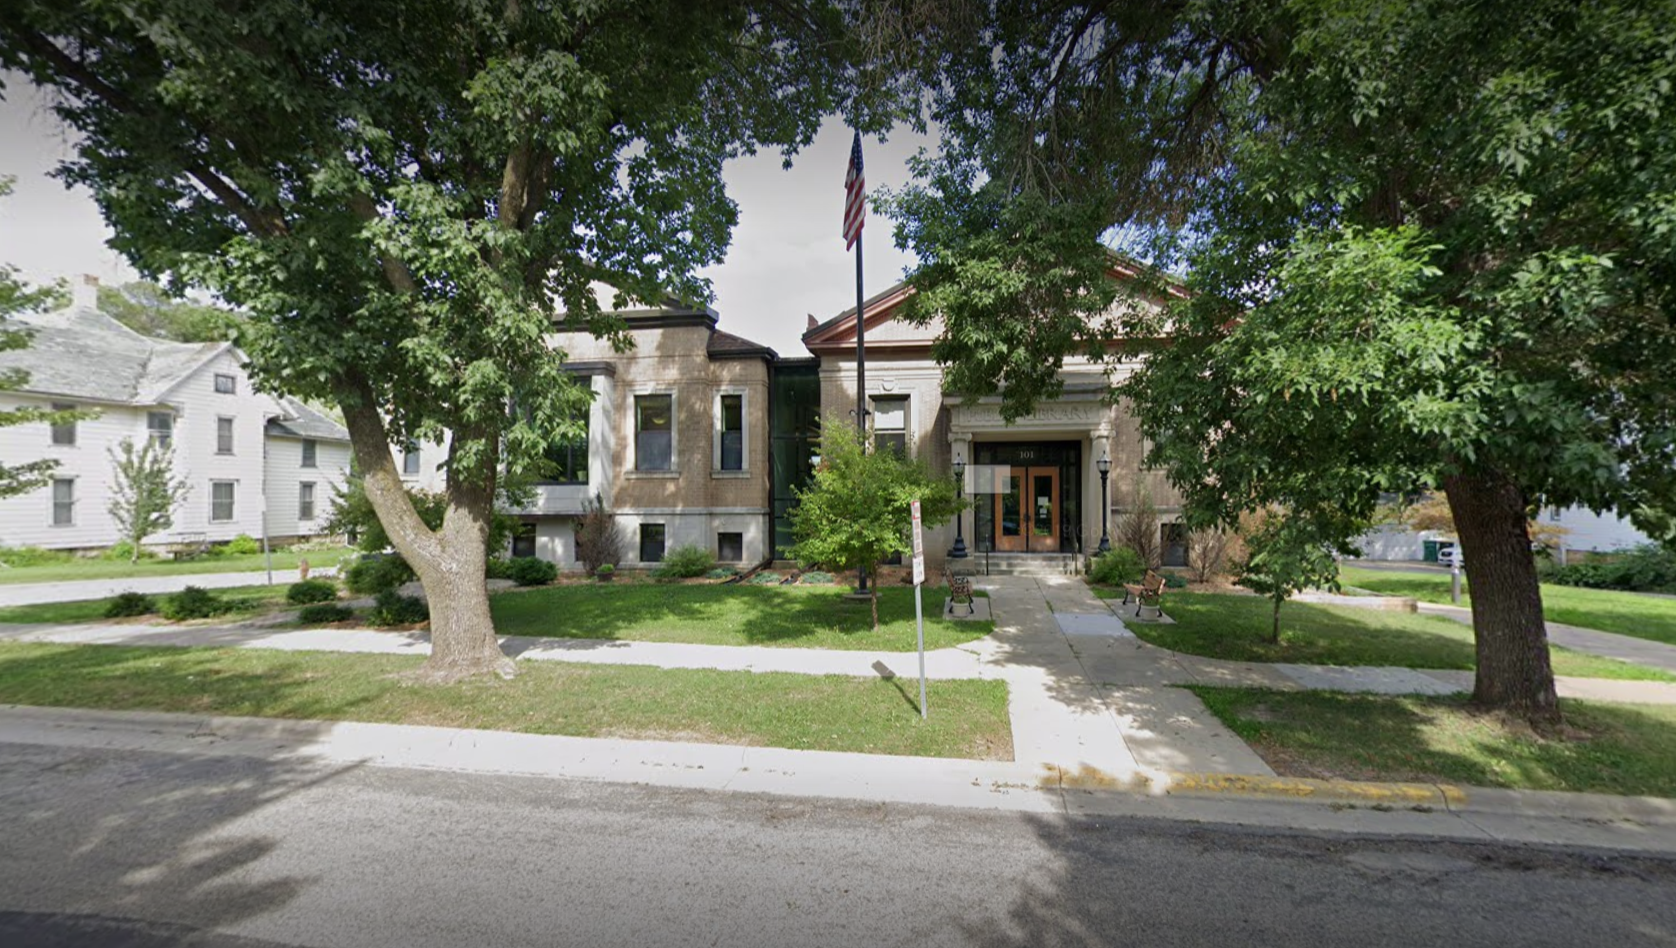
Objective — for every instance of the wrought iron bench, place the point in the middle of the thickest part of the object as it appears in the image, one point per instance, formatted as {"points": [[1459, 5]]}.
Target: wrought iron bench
{"points": [[1150, 591], [960, 588]]}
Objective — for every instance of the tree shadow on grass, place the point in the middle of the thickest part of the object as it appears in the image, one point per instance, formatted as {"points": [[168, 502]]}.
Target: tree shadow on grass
{"points": [[1237, 628], [818, 617]]}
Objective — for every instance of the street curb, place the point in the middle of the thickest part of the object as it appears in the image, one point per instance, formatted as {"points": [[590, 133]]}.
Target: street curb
{"points": [[1256, 786]]}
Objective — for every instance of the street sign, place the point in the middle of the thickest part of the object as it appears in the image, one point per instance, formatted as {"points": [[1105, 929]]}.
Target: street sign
{"points": [[919, 548], [919, 611]]}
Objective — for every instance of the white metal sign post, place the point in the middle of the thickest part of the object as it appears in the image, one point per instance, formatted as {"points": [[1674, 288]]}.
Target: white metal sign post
{"points": [[919, 614]]}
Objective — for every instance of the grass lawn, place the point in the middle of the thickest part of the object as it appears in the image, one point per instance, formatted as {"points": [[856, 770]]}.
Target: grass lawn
{"points": [[93, 568], [1616, 748], [247, 601], [1644, 617], [968, 718], [793, 616], [1237, 628]]}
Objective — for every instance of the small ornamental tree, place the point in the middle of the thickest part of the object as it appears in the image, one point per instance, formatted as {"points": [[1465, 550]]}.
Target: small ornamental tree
{"points": [[1286, 554], [144, 491], [857, 512]]}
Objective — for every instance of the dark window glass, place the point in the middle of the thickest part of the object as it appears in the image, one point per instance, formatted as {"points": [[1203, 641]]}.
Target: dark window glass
{"points": [[654, 433], [1172, 544], [567, 457], [223, 436], [523, 542], [733, 432], [651, 543], [225, 384], [63, 502], [310, 453], [221, 501], [730, 547], [64, 434], [305, 501], [890, 424], [410, 459], [161, 426]]}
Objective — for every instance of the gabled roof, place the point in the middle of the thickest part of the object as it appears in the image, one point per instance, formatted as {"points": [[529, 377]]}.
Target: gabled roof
{"points": [[81, 353], [300, 421], [883, 308], [725, 345]]}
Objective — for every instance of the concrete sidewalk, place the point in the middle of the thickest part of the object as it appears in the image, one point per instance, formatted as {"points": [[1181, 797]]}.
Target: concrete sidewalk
{"points": [[1625, 648], [25, 594]]}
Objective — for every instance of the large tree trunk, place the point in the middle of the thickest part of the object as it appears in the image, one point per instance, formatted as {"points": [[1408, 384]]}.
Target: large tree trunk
{"points": [[1514, 672], [450, 561]]}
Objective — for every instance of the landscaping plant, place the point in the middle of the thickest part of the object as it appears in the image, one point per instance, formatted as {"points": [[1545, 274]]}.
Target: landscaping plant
{"points": [[599, 541], [374, 573], [1137, 530], [312, 590], [1285, 554], [1116, 566], [193, 602], [531, 571], [322, 613], [144, 492], [125, 604], [393, 608], [686, 562]]}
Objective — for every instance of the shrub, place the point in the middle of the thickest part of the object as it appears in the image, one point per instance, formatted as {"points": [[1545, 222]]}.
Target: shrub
{"points": [[393, 608], [376, 573], [127, 604], [598, 540], [498, 567], [123, 552], [32, 556], [1137, 529], [320, 613], [242, 545], [532, 571], [1116, 567], [1172, 581], [1646, 568], [193, 602], [685, 562], [765, 578], [312, 590], [722, 572], [816, 576]]}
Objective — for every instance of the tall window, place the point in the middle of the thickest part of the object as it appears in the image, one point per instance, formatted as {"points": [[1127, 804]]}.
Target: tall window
{"points": [[310, 452], [654, 433], [730, 547], [160, 425], [567, 457], [305, 500], [221, 501], [223, 435], [225, 384], [63, 501], [410, 459], [64, 434], [651, 543], [730, 433], [890, 423], [523, 541]]}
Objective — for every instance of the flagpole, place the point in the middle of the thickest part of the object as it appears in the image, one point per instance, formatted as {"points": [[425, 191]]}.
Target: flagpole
{"points": [[860, 373]]}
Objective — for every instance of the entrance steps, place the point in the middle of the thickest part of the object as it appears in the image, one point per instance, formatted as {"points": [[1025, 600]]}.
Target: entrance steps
{"points": [[1020, 564]]}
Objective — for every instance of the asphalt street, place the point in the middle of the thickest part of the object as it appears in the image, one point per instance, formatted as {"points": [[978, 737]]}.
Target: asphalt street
{"points": [[107, 848]]}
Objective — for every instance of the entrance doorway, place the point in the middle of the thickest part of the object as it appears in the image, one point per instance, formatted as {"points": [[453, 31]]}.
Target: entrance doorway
{"points": [[1027, 512]]}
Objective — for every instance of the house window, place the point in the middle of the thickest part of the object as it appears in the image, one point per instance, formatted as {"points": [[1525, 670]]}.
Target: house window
{"points": [[310, 451], [160, 425], [651, 543], [654, 433], [730, 433], [410, 459], [63, 501], [890, 424], [730, 547], [225, 384], [1172, 544], [305, 500], [64, 434], [223, 435], [523, 542], [567, 457], [221, 501]]}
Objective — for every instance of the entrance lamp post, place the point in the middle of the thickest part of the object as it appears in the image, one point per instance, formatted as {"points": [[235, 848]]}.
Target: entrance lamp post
{"points": [[1105, 466], [958, 551]]}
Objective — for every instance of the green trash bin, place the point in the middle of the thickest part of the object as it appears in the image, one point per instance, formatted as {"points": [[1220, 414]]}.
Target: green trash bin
{"points": [[1428, 550]]}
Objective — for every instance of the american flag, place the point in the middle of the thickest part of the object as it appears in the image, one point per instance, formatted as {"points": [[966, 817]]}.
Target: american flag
{"points": [[855, 196]]}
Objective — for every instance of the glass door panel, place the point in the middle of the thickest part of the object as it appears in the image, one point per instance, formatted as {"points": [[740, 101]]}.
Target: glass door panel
{"points": [[1009, 514], [1044, 510]]}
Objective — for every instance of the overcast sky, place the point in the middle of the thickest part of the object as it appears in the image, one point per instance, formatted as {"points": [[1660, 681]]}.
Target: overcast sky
{"points": [[787, 260]]}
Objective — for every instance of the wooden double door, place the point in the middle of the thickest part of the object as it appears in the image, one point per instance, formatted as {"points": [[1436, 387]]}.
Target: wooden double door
{"points": [[1027, 511]]}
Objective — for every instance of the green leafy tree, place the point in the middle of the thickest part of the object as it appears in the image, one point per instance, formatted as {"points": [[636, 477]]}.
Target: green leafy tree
{"points": [[150, 310], [16, 297], [1429, 243], [402, 193], [353, 515], [856, 512], [144, 491], [1286, 554]]}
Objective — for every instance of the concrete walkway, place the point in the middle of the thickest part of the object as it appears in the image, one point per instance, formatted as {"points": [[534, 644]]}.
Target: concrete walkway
{"points": [[1625, 648], [25, 594]]}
